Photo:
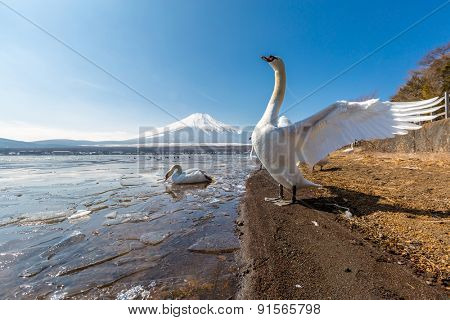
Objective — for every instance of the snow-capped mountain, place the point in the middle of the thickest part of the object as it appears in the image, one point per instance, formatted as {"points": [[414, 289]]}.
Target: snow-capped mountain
{"points": [[198, 128]]}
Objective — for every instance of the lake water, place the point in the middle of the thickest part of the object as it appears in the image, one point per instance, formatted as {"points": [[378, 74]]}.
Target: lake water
{"points": [[108, 227]]}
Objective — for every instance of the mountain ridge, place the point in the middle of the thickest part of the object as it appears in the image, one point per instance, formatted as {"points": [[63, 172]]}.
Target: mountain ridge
{"points": [[195, 129]]}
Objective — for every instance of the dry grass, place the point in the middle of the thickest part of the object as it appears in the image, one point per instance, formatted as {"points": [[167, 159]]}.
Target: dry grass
{"points": [[399, 201]]}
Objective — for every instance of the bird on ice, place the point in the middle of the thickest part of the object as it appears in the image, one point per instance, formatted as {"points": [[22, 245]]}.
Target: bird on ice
{"points": [[189, 176]]}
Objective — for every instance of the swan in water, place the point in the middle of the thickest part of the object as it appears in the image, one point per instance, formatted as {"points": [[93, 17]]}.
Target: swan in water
{"points": [[280, 148], [188, 176]]}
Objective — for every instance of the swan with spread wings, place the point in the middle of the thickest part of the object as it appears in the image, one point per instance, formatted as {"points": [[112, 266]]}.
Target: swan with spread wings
{"points": [[280, 148]]}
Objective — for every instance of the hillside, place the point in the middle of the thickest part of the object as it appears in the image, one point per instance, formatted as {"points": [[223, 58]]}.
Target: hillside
{"points": [[7, 143], [431, 79]]}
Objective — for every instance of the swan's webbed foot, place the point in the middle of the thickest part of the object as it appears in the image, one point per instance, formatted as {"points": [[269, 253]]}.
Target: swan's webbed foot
{"points": [[280, 200]]}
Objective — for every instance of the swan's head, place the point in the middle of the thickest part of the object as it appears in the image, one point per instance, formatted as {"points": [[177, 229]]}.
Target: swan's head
{"points": [[275, 62], [174, 168]]}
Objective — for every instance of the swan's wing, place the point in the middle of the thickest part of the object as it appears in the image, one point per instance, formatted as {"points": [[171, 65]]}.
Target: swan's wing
{"points": [[283, 121], [344, 122]]}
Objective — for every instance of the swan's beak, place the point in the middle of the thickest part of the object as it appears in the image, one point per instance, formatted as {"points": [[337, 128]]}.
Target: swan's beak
{"points": [[269, 58]]}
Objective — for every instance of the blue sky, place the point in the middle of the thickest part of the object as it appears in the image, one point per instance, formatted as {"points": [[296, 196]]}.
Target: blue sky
{"points": [[196, 56]]}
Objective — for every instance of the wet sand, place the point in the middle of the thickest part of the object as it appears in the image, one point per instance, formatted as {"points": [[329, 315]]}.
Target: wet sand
{"points": [[312, 251]]}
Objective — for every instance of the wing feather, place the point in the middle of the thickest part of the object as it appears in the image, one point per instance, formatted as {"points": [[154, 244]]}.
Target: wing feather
{"points": [[344, 122]]}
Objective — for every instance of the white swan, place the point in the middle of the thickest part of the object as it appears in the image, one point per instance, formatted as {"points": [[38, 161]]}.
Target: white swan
{"points": [[310, 140], [349, 149], [283, 121], [187, 177]]}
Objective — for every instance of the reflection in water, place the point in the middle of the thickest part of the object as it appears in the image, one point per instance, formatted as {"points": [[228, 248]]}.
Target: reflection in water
{"points": [[100, 227], [179, 192]]}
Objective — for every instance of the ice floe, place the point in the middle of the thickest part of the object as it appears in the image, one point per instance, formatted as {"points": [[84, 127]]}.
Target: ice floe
{"points": [[80, 214], [154, 238], [72, 239], [215, 244]]}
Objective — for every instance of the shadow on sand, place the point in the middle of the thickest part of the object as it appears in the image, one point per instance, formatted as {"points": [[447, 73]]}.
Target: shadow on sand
{"points": [[361, 204]]}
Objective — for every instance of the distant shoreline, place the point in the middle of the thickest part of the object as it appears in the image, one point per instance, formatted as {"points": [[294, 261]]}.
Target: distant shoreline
{"points": [[164, 149]]}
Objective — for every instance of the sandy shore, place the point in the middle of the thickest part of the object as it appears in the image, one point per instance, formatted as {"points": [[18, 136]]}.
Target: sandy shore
{"points": [[311, 251]]}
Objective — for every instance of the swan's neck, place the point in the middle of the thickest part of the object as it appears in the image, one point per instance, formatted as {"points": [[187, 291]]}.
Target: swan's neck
{"points": [[175, 170], [273, 107]]}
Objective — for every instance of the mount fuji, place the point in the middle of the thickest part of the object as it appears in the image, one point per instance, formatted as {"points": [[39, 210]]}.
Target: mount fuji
{"points": [[198, 128]]}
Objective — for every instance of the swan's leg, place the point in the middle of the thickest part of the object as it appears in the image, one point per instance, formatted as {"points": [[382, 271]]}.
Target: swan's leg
{"points": [[278, 199], [260, 167], [321, 168], [294, 193]]}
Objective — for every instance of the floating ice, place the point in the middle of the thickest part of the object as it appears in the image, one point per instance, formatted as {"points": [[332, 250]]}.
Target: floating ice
{"points": [[111, 215], [131, 218], [218, 243], [34, 269], [131, 181], [44, 217], [75, 237], [154, 238], [9, 220], [80, 214]]}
